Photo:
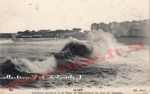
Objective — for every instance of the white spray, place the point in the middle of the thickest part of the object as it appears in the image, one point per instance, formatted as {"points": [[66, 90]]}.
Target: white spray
{"points": [[105, 45]]}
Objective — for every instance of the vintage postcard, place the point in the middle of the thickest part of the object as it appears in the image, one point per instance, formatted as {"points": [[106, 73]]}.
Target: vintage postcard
{"points": [[74, 47]]}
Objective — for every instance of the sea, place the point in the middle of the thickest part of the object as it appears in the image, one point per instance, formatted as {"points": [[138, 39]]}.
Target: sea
{"points": [[117, 64]]}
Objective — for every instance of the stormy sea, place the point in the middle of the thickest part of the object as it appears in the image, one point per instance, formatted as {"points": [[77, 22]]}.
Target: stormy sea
{"points": [[100, 61]]}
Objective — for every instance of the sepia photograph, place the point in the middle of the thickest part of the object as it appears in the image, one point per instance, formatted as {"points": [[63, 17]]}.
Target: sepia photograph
{"points": [[75, 45]]}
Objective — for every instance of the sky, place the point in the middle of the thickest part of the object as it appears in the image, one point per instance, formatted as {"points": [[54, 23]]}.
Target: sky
{"points": [[20, 15]]}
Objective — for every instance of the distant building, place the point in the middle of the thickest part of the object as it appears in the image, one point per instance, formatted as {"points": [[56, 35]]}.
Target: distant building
{"points": [[75, 32], [123, 29], [6, 35], [95, 27], [76, 29]]}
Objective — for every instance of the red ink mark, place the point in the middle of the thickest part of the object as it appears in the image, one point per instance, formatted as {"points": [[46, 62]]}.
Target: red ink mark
{"points": [[75, 64], [135, 47], [110, 53]]}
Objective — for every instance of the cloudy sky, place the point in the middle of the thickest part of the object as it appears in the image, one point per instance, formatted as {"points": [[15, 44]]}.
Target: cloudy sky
{"points": [[53, 14]]}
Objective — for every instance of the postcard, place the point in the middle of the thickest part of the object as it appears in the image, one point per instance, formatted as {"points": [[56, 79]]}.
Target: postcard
{"points": [[74, 47]]}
